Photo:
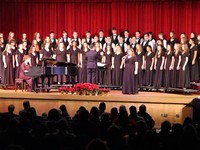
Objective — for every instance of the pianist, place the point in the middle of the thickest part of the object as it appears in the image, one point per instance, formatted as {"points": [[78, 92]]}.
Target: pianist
{"points": [[25, 66]]}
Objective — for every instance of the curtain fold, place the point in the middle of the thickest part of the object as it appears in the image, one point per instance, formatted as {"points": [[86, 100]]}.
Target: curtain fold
{"points": [[44, 16]]}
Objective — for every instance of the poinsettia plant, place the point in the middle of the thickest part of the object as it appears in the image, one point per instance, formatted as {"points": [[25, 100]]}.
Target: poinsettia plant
{"points": [[85, 89]]}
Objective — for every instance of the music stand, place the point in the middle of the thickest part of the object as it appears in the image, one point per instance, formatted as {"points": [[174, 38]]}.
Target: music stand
{"points": [[102, 68]]}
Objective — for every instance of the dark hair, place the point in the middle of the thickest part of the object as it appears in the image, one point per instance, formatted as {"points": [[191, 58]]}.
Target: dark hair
{"points": [[26, 105], [114, 28], [102, 106], [11, 108], [149, 47], [142, 108], [133, 110], [51, 32], [195, 35], [166, 126], [54, 114], [94, 112], [150, 33], [147, 33], [126, 30], [101, 30], [194, 40]]}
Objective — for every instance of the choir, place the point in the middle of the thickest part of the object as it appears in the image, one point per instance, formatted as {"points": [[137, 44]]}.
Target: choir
{"points": [[136, 60]]}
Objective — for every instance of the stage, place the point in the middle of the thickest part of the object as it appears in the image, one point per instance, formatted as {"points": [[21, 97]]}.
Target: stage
{"points": [[161, 106]]}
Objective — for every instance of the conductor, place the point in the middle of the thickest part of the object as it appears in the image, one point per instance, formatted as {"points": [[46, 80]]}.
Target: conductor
{"points": [[91, 58]]}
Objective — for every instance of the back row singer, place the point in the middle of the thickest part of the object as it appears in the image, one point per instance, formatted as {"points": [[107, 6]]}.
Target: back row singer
{"points": [[131, 62]]}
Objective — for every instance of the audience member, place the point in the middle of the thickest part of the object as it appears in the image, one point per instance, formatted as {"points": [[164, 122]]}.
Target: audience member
{"points": [[90, 130]]}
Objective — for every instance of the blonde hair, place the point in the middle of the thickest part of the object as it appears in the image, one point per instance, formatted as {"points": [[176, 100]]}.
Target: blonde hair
{"points": [[186, 48], [139, 49], [118, 48], [9, 36]]}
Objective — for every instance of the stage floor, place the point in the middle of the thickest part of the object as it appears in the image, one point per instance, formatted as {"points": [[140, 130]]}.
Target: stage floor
{"points": [[162, 106]]}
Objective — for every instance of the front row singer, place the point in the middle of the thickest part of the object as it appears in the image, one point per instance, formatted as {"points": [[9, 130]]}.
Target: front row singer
{"points": [[25, 66], [130, 64]]}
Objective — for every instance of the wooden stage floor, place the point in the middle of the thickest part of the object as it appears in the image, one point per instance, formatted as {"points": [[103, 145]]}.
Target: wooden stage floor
{"points": [[162, 106]]}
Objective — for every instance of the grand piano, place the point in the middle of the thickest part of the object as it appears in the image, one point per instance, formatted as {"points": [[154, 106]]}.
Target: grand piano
{"points": [[48, 68]]}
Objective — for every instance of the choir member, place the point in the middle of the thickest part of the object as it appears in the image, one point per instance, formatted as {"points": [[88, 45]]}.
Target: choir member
{"points": [[177, 61], [169, 67], [122, 44], [99, 51], [53, 41], [60, 55], [88, 38], [162, 40], [38, 39], [158, 66], [25, 66], [19, 54], [133, 42], [83, 40], [198, 45], [25, 47], [183, 38], [66, 39], [172, 40], [13, 46], [141, 64], [152, 41], [114, 36], [83, 63], [47, 40], [126, 37], [100, 54], [193, 36], [184, 78], [101, 38], [24, 39], [33, 55], [11, 36], [91, 58], [1, 51], [46, 52], [145, 42], [138, 37], [193, 61], [108, 61], [116, 70], [36, 45], [95, 40], [130, 63], [74, 54], [8, 65], [108, 43], [149, 63], [76, 39]]}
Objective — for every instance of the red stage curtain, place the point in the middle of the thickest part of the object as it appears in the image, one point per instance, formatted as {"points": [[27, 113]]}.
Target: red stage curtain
{"points": [[44, 16]]}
